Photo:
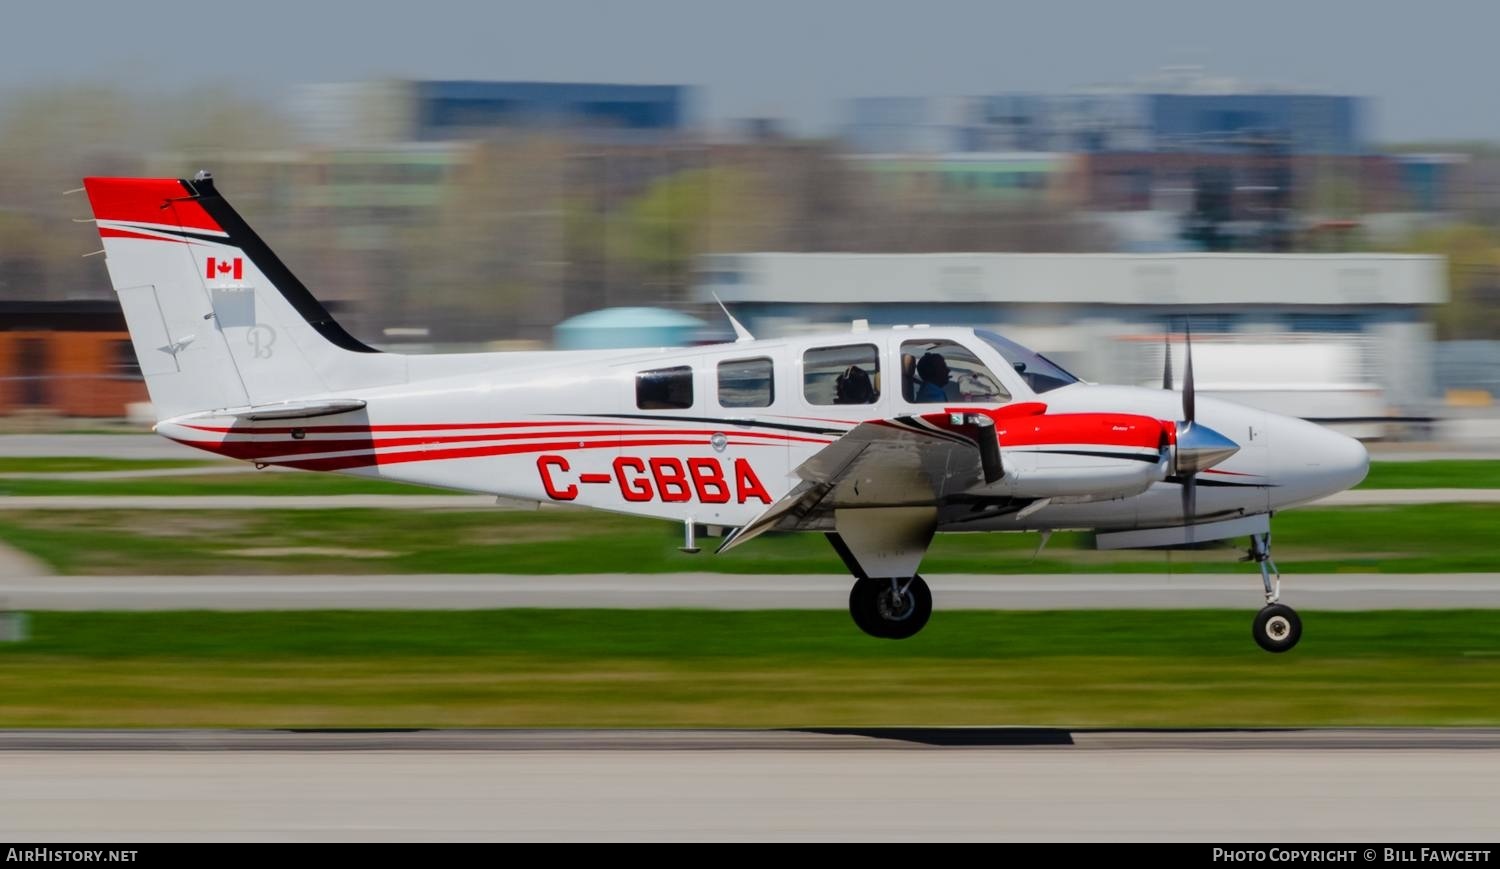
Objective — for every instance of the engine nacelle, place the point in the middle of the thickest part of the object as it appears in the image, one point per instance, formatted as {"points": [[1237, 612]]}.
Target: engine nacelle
{"points": [[1097, 455]]}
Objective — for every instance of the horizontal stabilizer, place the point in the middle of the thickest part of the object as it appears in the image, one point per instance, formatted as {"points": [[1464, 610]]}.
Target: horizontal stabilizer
{"points": [[287, 410]]}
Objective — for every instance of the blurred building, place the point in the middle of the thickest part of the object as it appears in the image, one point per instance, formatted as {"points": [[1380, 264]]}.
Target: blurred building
{"points": [[1119, 122], [1215, 165], [424, 111], [67, 358], [1341, 337], [971, 178]]}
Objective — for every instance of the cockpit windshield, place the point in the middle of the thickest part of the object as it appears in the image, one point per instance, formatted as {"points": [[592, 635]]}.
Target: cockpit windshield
{"points": [[1039, 372]]}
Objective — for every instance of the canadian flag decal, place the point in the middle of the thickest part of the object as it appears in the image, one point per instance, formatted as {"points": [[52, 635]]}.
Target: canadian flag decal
{"points": [[218, 269]]}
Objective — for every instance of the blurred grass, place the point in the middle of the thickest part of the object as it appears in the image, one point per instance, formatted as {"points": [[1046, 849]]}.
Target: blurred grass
{"points": [[1437, 474], [1399, 539], [683, 668]]}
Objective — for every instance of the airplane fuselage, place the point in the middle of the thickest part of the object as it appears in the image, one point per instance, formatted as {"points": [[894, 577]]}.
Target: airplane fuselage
{"points": [[574, 428]]}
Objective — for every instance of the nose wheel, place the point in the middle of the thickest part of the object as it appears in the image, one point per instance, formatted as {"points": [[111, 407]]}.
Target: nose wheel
{"points": [[1277, 627], [891, 609]]}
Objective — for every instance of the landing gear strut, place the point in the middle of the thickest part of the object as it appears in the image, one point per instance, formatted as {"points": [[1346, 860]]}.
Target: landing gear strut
{"points": [[1277, 627], [885, 607]]}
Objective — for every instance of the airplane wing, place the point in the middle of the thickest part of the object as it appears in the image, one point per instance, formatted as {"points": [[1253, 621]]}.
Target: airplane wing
{"points": [[908, 461]]}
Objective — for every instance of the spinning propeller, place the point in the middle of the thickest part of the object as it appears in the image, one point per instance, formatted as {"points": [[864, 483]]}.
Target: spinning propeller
{"points": [[1198, 446]]}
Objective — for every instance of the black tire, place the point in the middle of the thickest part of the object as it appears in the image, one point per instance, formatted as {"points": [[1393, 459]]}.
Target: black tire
{"points": [[876, 613], [1277, 628]]}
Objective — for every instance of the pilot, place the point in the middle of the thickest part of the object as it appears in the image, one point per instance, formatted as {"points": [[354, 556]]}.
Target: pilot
{"points": [[933, 369]]}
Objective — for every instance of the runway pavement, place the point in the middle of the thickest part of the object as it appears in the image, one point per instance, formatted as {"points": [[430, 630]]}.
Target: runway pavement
{"points": [[114, 446], [1355, 591], [1271, 787], [812, 739]]}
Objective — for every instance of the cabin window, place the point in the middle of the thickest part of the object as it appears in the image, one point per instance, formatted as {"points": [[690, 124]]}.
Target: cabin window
{"points": [[945, 372], [746, 383], [841, 375], [1039, 372], [664, 388]]}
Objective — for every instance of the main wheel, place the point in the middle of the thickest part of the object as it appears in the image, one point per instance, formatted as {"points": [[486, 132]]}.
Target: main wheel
{"points": [[882, 611], [1277, 628]]}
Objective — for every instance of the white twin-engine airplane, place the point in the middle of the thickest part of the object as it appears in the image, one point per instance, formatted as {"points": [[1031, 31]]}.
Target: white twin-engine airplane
{"points": [[877, 438]]}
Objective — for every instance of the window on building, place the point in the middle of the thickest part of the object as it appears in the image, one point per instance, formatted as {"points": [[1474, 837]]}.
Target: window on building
{"points": [[1339, 323], [664, 388], [32, 361], [122, 362], [939, 372], [746, 383], [841, 375]]}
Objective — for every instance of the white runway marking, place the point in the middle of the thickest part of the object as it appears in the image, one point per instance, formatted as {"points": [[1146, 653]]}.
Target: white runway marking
{"points": [[1350, 591]]}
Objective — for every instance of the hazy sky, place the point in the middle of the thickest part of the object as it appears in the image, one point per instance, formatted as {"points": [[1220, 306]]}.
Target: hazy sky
{"points": [[1430, 66]]}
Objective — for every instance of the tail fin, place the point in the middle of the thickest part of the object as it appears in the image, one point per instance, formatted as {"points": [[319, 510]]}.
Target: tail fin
{"points": [[217, 320]]}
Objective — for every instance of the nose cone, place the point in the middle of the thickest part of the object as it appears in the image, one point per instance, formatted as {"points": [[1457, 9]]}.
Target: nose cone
{"points": [[1336, 461], [1313, 462]]}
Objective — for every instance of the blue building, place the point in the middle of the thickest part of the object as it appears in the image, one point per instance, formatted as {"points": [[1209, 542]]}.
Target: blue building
{"points": [[1299, 123], [452, 109], [381, 112]]}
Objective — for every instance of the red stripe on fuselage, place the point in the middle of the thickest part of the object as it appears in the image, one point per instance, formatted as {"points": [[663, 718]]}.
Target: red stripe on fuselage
{"points": [[367, 455], [1226, 473], [338, 463], [421, 426], [261, 449]]}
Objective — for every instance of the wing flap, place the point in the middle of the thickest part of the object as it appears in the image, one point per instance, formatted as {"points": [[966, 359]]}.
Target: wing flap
{"points": [[901, 462]]}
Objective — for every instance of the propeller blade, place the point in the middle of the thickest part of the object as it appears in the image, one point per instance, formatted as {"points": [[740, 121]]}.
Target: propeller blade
{"points": [[1189, 503], [1166, 367], [1189, 406]]}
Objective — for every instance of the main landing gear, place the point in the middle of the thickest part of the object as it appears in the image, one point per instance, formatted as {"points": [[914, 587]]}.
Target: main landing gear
{"points": [[1277, 627], [891, 608]]}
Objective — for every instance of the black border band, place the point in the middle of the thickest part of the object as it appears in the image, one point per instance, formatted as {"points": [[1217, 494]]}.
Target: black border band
{"points": [[270, 265]]}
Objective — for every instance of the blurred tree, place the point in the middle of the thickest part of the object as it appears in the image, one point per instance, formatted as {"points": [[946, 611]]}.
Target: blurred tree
{"points": [[487, 263], [53, 136], [1473, 259], [23, 247], [212, 122], [50, 138], [688, 214]]}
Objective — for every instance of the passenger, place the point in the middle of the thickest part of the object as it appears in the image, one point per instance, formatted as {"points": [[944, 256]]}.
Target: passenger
{"points": [[933, 369], [853, 387]]}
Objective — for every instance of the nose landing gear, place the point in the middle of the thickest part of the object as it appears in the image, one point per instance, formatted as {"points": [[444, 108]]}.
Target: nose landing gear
{"points": [[1277, 628]]}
